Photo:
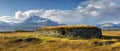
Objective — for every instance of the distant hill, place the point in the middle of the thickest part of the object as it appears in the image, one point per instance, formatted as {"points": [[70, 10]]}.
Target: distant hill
{"points": [[109, 26]]}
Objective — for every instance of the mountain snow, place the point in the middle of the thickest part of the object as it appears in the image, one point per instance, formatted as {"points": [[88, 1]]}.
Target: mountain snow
{"points": [[109, 26], [31, 23]]}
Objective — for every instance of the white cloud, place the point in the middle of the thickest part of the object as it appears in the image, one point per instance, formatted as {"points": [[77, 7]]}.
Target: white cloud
{"points": [[62, 16], [26, 14], [94, 13], [104, 10], [9, 19], [88, 12], [19, 15]]}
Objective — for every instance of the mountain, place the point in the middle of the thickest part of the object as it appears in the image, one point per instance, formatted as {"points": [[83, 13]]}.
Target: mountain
{"points": [[31, 23], [109, 26], [6, 26], [34, 22]]}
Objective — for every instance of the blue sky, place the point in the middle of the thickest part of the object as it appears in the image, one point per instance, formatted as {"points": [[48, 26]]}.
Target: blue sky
{"points": [[62, 11], [9, 7]]}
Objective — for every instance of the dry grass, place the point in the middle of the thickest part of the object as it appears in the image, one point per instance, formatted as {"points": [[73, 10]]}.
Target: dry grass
{"points": [[111, 33], [109, 42], [67, 27]]}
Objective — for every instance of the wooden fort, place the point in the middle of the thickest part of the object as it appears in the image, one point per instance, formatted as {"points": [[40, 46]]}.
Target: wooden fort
{"points": [[82, 31]]}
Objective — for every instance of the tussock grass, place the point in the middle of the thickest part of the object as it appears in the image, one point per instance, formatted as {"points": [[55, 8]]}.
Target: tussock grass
{"points": [[109, 42], [67, 27]]}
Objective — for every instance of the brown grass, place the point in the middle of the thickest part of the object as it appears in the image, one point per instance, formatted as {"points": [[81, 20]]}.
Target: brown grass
{"points": [[51, 43], [67, 27], [111, 33]]}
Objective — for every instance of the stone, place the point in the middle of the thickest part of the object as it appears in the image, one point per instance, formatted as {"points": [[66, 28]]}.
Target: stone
{"points": [[27, 40], [82, 31], [109, 42], [97, 43], [18, 40], [31, 39]]}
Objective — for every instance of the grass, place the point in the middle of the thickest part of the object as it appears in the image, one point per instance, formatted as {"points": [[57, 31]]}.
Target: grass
{"points": [[67, 27], [109, 42]]}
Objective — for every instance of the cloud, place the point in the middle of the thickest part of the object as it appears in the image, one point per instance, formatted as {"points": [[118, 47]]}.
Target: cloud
{"points": [[62, 16], [104, 10], [87, 12], [23, 15], [19, 15], [9, 19]]}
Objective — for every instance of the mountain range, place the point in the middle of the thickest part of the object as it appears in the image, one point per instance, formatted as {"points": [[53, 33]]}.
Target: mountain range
{"points": [[34, 22], [108, 26], [31, 23]]}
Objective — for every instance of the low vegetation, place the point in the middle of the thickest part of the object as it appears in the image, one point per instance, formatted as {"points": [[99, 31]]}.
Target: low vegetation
{"points": [[67, 27], [28, 41]]}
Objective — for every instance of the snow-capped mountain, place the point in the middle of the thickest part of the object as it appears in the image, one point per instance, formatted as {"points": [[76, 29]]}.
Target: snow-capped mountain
{"points": [[109, 26], [36, 20], [31, 23]]}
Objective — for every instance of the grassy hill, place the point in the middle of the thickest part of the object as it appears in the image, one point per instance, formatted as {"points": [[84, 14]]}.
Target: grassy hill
{"points": [[28, 41]]}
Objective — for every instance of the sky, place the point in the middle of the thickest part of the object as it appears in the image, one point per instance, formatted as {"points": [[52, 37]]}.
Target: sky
{"points": [[9, 7], [62, 11]]}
